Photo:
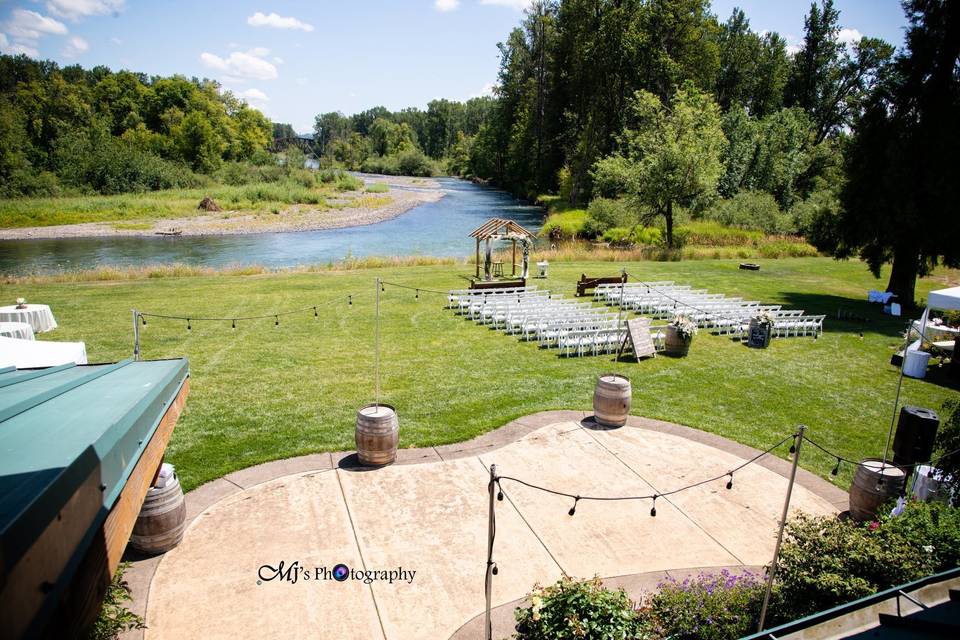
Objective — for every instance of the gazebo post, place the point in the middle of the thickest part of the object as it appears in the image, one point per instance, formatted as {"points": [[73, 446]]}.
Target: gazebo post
{"points": [[513, 260], [478, 257]]}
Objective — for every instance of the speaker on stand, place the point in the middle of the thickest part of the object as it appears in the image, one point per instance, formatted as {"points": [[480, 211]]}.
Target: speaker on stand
{"points": [[915, 437]]}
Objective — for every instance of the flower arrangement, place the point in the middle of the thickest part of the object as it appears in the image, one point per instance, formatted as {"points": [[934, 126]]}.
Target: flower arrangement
{"points": [[765, 317], [21, 303], [685, 327]]}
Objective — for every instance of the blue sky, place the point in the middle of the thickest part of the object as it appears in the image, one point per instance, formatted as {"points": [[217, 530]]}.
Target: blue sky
{"points": [[296, 59]]}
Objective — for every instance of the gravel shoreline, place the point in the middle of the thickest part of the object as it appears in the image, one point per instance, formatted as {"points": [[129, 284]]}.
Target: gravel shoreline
{"points": [[411, 193]]}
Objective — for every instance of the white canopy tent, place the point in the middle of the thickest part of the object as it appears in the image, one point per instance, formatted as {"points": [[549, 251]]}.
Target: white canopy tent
{"points": [[943, 300], [915, 360], [26, 354]]}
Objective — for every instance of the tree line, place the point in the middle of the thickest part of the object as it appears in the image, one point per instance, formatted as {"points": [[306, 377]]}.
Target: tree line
{"points": [[112, 132]]}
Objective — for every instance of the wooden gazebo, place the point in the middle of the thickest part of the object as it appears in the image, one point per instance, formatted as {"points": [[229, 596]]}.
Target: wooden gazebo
{"points": [[499, 229]]}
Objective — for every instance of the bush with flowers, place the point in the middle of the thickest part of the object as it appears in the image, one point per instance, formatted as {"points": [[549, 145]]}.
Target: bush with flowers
{"points": [[577, 609]]}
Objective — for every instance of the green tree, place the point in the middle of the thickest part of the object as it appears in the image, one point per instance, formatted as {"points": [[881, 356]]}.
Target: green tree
{"points": [[899, 200], [671, 155], [198, 143]]}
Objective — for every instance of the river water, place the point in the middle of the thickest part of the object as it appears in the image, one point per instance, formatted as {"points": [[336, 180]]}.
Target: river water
{"points": [[438, 228]]}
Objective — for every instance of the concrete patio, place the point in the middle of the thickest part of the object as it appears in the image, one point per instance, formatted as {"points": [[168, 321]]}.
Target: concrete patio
{"points": [[428, 514]]}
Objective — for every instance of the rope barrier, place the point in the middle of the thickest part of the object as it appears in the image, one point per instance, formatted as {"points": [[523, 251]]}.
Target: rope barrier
{"points": [[932, 462], [276, 314]]}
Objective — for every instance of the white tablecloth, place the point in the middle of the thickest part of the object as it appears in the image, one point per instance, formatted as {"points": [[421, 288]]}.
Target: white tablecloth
{"points": [[25, 354], [20, 330], [38, 316]]}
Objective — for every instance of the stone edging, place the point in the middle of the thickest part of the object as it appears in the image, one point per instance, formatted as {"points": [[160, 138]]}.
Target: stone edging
{"points": [[140, 574]]}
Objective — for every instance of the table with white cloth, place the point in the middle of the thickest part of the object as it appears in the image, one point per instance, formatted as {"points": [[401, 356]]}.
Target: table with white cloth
{"points": [[37, 316], [28, 354], [20, 330]]}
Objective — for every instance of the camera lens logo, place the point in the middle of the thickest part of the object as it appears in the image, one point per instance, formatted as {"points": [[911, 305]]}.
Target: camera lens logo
{"points": [[341, 572]]}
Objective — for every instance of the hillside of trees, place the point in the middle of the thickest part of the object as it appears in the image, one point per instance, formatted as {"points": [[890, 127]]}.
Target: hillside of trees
{"points": [[72, 129]]}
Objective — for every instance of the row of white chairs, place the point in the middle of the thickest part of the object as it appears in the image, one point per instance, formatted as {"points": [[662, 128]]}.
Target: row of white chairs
{"points": [[716, 312]]}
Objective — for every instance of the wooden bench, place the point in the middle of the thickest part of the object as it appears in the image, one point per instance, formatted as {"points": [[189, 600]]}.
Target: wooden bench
{"points": [[590, 283], [497, 284]]}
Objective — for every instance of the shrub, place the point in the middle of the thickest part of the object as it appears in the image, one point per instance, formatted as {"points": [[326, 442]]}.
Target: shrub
{"points": [[377, 187], [755, 210], [565, 225], [565, 184], [816, 219], [114, 617], [577, 609], [636, 235], [948, 439], [930, 526], [825, 562], [605, 214], [722, 606], [414, 162]]}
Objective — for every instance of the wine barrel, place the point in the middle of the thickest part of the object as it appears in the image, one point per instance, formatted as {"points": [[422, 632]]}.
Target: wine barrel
{"points": [[377, 435], [874, 483], [673, 344], [611, 400], [161, 522]]}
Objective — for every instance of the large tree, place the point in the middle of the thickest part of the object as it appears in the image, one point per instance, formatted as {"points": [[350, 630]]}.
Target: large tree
{"points": [[903, 179], [671, 155]]}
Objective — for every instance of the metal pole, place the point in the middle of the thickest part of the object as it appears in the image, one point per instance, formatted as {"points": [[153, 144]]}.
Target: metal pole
{"points": [[136, 335], [377, 347], [783, 523], [623, 343], [491, 567], [896, 400]]}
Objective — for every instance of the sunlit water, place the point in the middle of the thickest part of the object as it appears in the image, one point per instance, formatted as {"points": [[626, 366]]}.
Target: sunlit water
{"points": [[438, 228]]}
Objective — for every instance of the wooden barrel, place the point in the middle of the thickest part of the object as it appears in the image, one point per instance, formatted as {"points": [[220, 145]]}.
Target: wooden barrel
{"points": [[611, 400], [673, 344], [161, 522], [874, 483], [377, 435]]}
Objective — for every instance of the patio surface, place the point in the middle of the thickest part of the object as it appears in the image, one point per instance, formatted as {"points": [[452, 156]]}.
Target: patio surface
{"points": [[428, 513]]}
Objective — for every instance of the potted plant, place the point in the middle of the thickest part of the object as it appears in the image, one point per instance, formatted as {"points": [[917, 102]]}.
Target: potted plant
{"points": [[680, 333], [21, 303], [761, 328]]}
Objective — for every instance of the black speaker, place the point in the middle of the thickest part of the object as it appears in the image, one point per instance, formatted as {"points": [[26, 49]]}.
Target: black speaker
{"points": [[916, 434]]}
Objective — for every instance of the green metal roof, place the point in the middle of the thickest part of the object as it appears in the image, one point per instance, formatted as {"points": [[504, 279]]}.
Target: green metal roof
{"points": [[59, 424]]}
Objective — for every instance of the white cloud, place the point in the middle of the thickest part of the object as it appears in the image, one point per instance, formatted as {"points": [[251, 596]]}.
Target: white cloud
{"points": [[849, 37], [240, 66], [30, 25], [487, 90], [76, 9], [519, 5], [277, 22], [254, 95], [259, 52], [17, 48], [446, 5], [278, 59], [792, 49], [75, 46]]}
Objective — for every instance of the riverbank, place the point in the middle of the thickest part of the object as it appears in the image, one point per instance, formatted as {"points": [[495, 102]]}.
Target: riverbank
{"points": [[333, 210]]}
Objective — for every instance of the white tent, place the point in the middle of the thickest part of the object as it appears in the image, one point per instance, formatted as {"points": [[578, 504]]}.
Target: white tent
{"points": [[25, 354], [915, 360], [944, 299]]}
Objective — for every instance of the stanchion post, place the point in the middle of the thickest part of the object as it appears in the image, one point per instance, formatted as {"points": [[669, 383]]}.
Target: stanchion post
{"points": [[623, 343], [491, 532], [377, 346], [798, 441], [136, 334]]}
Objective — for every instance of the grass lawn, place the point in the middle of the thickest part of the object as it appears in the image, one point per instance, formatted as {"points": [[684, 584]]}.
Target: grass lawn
{"points": [[261, 393]]}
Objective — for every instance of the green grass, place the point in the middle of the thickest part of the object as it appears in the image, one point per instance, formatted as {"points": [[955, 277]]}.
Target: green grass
{"points": [[138, 208], [261, 393], [378, 187]]}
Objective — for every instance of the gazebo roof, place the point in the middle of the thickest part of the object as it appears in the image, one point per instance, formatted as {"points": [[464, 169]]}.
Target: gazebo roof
{"points": [[500, 228]]}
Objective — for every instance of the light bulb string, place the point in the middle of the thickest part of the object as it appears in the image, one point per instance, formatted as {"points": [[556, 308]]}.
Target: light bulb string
{"points": [[412, 288], [932, 462], [276, 314], [653, 496]]}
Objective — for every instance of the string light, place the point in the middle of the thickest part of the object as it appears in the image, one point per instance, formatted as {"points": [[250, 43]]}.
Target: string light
{"points": [[793, 449], [495, 570], [417, 295], [730, 481], [315, 314], [276, 321], [189, 328], [573, 509], [653, 509], [350, 300], [836, 469], [233, 325], [143, 319]]}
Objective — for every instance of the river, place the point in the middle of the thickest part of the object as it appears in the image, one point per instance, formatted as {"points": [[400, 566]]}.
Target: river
{"points": [[438, 228]]}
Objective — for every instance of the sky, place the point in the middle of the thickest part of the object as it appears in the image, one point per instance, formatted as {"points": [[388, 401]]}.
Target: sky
{"points": [[293, 60]]}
